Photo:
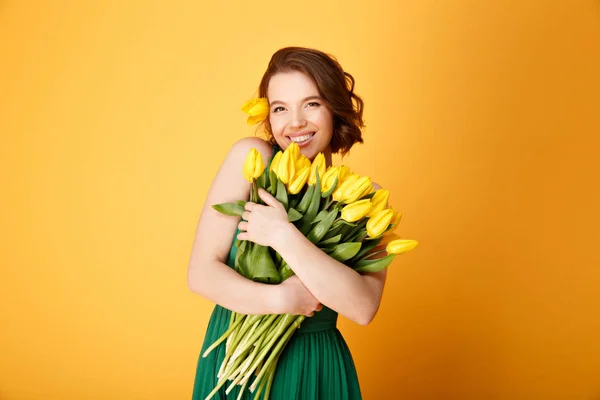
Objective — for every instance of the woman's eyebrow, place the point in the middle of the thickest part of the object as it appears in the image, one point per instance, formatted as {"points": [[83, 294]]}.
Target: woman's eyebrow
{"points": [[303, 100]]}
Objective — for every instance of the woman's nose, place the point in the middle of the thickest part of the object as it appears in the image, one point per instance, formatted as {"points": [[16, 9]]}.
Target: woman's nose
{"points": [[298, 120]]}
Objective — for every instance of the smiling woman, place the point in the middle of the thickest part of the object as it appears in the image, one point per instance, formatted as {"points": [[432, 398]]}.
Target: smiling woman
{"points": [[305, 86], [306, 98]]}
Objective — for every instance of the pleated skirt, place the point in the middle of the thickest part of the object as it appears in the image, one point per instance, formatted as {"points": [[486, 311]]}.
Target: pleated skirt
{"points": [[316, 364]]}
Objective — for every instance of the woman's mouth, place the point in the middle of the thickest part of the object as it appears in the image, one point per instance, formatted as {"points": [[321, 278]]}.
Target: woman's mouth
{"points": [[304, 139]]}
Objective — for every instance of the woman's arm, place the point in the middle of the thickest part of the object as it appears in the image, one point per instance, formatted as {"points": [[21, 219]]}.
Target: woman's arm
{"points": [[334, 284], [331, 282], [208, 274]]}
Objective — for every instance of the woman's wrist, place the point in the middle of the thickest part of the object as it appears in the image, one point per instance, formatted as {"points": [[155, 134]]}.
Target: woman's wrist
{"points": [[283, 236], [272, 298]]}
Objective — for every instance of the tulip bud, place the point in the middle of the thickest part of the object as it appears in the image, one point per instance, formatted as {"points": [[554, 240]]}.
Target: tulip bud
{"points": [[257, 110], [286, 168], [275, 161], [338, 194], [344, 173], [253, 166], [357, 210], [400, 246], [302, 162], [329, 178], [318, 165], [296, 184], [380, 201], [379, 222], [294, 151], [395, 218], [358, 189]]}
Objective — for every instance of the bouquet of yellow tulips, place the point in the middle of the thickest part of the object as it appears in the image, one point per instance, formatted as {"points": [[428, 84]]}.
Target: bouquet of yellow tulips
{"points": [[336, 210]]}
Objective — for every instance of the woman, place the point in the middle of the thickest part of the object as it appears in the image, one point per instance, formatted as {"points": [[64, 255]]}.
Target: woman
{"points": [[311, 102]]}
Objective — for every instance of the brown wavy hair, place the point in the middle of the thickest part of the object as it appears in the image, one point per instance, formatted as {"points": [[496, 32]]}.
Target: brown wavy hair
{"points": [[335, 86]]}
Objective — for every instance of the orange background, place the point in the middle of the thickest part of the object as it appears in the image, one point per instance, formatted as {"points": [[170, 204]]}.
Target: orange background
{"points": [[483, 121]]}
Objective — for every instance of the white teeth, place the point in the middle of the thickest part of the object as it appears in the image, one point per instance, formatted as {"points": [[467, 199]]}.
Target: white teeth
{"points": [[300, 139]]}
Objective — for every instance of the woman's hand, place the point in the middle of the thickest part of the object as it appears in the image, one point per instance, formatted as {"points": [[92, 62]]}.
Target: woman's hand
{"points": [[295, 299], [261, 223]]}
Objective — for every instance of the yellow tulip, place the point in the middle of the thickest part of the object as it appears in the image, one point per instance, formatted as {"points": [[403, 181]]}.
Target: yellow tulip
{"points": [[395, 219], [380, 201], [379, 222], [294, 151], [296, 185], [253, 166], [257, 110], [286, 168], [357, 210], [302, 162], [400, 246], [275, 161], [318, 165], [344, 173], [338, 194], [358, 189], [329, 178]]}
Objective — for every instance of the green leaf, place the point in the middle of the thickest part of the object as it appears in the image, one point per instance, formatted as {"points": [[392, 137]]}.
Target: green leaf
{"points": [[293, 215], [282, 195], [305, 202], [374, 265], [313, 208], [285, 271], [320, 216], [231, 209], [359, 236], [261, 267], [241, 256], [293, 201], [345, 251], [366, 247], [317, 233], [332, 240], [333, 232], [344, 222], [273, 182], [330, 191], [263, 179]]}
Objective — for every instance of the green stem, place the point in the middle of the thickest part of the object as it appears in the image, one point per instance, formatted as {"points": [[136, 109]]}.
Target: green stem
{"points": [[265, 323], [266, 348], [242, 391], [274, 328], [223, 337], [244, 367], [221, 382], [275, 353], [240, 347], [254, 191]]}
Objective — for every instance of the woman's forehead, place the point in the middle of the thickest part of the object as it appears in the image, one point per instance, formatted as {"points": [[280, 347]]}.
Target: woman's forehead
{"points": [[291, 86]]}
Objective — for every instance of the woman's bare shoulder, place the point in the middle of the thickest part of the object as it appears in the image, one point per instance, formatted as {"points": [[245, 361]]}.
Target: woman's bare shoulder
{"points": [[244, 145]]}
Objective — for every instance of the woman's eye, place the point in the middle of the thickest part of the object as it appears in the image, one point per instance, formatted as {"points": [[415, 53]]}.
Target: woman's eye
{"points": [[314, 104], [277, 108]]}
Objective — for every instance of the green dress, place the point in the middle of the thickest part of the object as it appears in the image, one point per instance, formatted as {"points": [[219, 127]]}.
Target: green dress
{"points": [[316, 364]]}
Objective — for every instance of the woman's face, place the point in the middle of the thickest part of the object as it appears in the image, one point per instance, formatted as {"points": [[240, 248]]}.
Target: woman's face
{"points": [[297, 113]]}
